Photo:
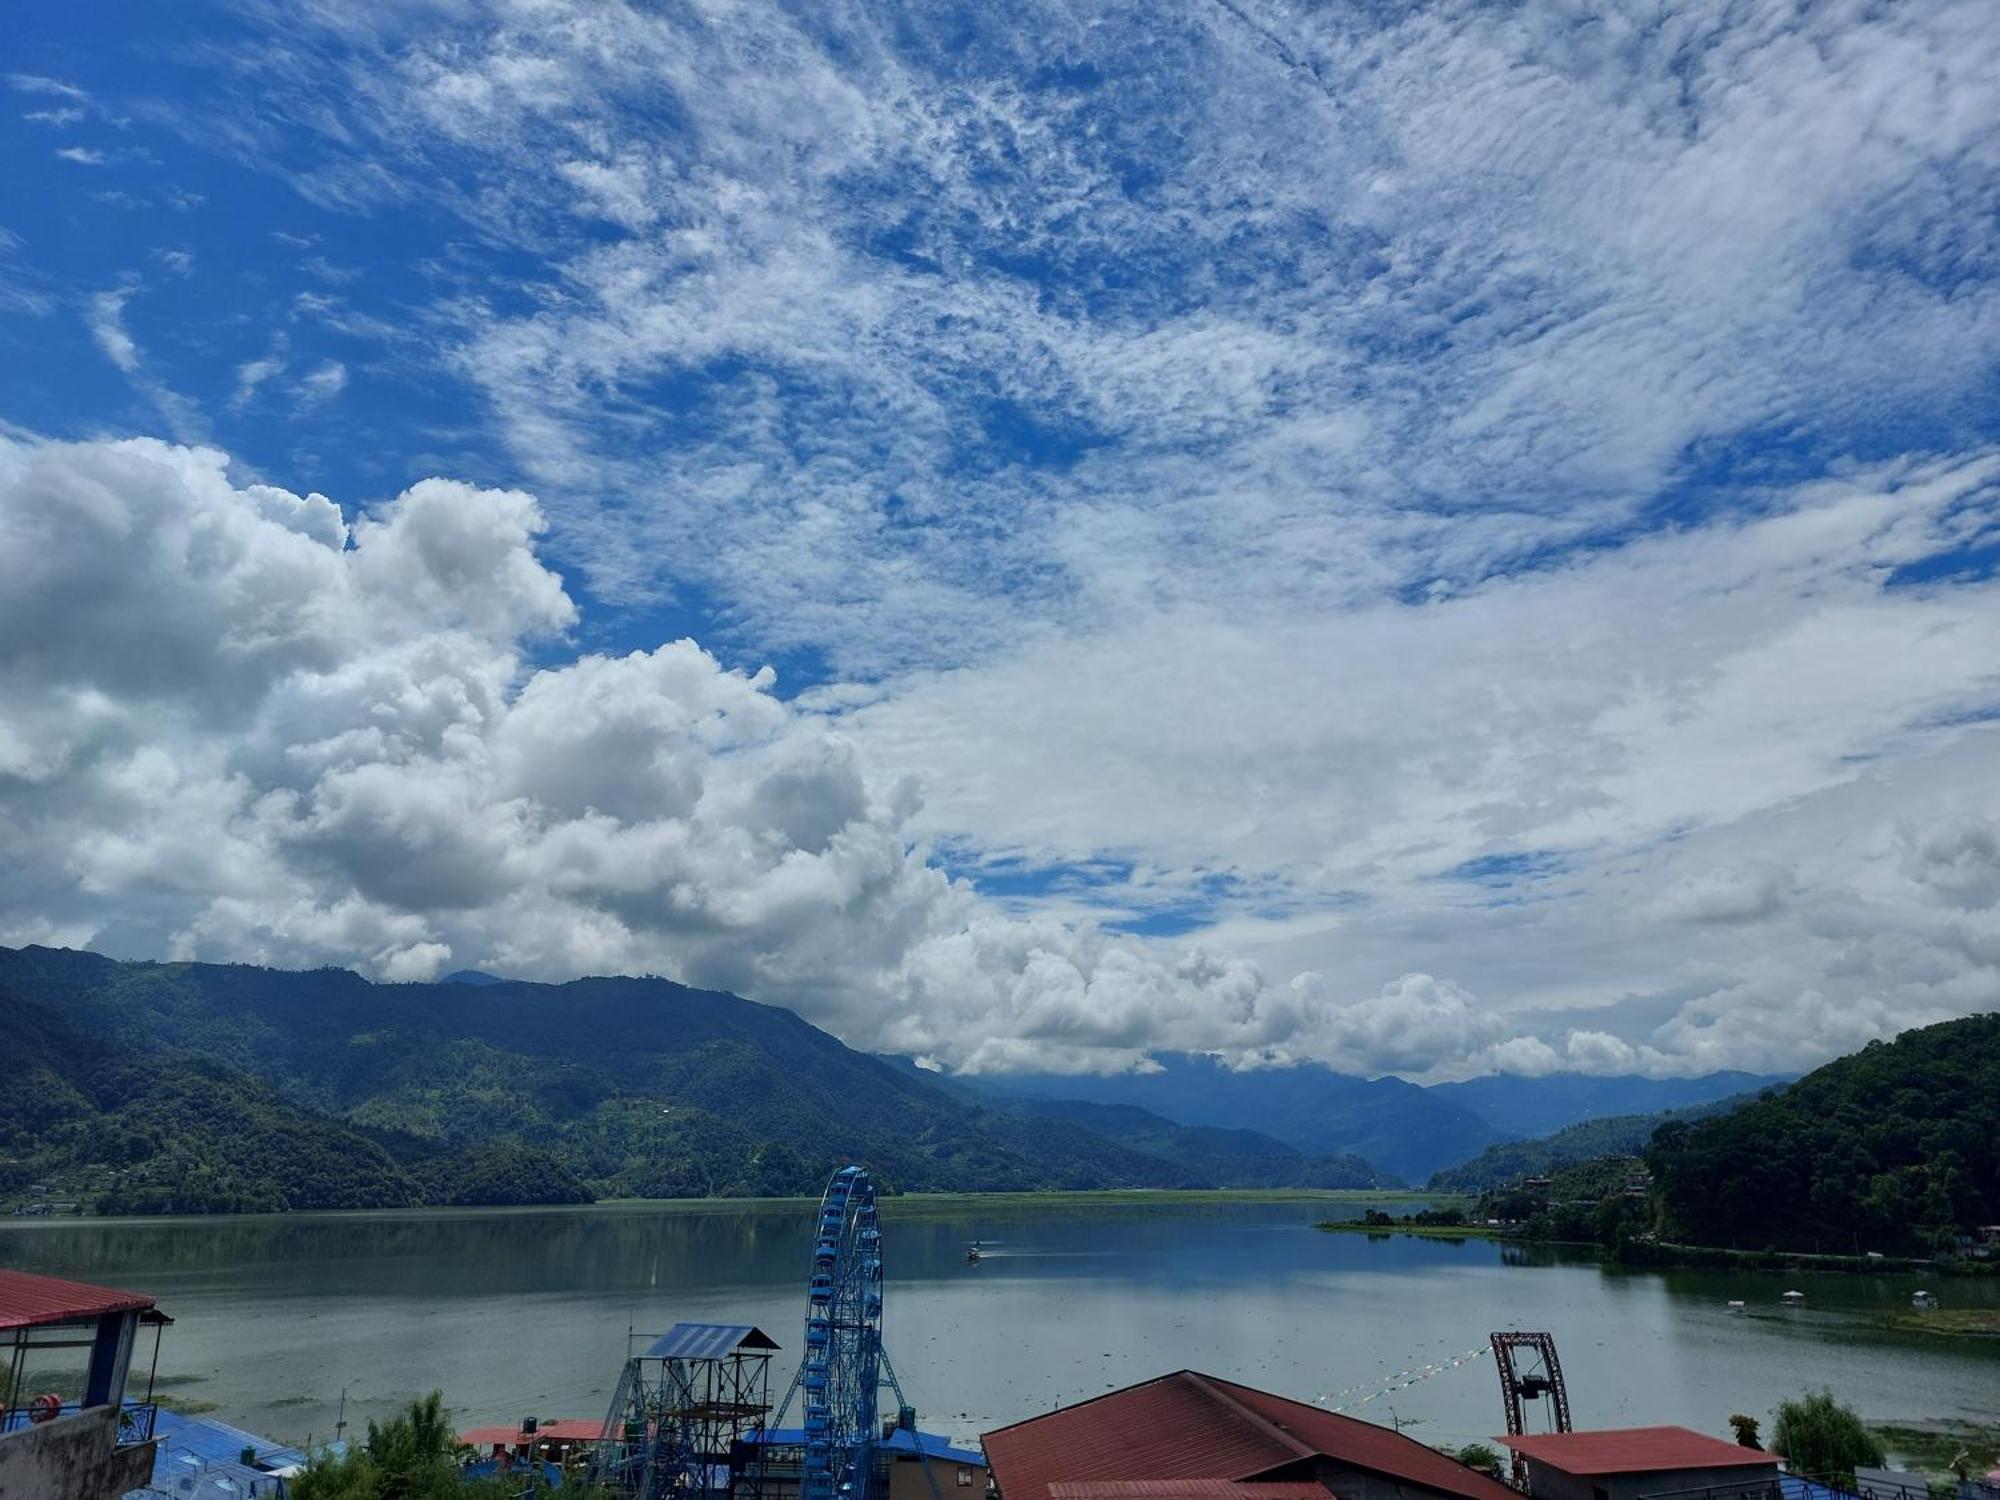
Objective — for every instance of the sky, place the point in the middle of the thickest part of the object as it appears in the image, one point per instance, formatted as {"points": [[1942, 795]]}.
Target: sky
{"points": [[1436, 538]]}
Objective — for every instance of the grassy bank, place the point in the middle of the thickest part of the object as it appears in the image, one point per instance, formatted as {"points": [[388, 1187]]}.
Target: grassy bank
{"points": [[1420, 1231], [1949, 1322], [1933, 1447]]}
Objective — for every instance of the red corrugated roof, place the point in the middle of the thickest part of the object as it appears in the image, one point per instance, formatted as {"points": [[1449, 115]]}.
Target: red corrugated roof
{"points": [[1634, 1450], [1188, 1489], [1190, 1426], [31, 1301]]}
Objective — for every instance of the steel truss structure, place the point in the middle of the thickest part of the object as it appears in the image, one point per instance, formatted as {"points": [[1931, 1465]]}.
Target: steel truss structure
{"points": [[684, 1413], [1529, 1370]]}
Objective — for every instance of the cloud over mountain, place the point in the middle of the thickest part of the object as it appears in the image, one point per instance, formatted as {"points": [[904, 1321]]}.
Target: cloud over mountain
{"points": [[1432, 538]]}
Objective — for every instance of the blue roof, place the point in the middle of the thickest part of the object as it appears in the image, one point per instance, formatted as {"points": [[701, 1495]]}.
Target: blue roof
{"points": [[935, 1445], [186, 1443], [708, 1341]]}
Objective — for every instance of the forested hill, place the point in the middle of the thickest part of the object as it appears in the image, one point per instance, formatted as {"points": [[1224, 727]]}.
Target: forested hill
{"points": [[94, 1124], [1890, 1148], [1615, 1135], [632, 1086]]}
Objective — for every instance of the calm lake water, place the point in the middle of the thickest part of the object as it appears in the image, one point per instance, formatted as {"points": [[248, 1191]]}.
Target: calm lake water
{"points": [[523, 1312]]}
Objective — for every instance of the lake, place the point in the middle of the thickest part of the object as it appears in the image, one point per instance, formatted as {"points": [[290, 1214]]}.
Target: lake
{"points": [[519, 1312]]}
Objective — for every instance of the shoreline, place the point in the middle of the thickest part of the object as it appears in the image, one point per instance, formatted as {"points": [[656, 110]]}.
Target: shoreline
{"points": [[900, 1204]]}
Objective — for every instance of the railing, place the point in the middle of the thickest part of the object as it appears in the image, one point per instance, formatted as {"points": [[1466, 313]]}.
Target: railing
{"points": [[135, 1422], [1819, 1487]]}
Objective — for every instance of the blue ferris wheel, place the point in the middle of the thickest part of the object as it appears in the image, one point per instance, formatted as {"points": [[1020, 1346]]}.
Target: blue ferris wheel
{"points": [[841, 1374]]}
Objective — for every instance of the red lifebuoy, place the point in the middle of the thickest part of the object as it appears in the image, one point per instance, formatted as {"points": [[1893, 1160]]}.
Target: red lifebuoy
{"points": [[45, 1407]]}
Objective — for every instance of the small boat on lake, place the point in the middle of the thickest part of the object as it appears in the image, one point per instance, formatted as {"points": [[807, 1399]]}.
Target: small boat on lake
{"points": [[1924, 1301], [1736, 1308], [1794, 1299]]}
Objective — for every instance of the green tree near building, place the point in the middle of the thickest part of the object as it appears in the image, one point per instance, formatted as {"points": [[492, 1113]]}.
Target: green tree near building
{"points": [[1824, 1439]]}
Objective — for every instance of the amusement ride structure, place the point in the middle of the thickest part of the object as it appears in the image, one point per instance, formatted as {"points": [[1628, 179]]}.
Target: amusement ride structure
{"points": [[845, 1365], [692, 1416]]}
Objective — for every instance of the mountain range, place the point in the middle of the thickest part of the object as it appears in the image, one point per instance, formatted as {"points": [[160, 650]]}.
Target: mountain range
{"points": [[161, 1086]]}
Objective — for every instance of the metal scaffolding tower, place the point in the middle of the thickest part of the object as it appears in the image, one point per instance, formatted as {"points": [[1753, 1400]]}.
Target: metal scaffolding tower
{"points": [[681, 1419]]}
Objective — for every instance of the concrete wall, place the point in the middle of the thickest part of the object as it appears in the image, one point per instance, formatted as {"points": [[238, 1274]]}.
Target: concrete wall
{"points": [[906, 1480], [72, 1458]]}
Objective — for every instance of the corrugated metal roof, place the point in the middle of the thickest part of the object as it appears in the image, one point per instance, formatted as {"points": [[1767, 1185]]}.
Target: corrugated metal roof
{"points": [[933, 1445], [708, 1341], [31, 1301], [1191, 1426], [1189, 1489], [188, 1443], [1635, 1450]]}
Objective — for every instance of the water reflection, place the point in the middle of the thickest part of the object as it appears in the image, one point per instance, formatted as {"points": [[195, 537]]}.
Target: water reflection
{"points": [[528, 1311]]}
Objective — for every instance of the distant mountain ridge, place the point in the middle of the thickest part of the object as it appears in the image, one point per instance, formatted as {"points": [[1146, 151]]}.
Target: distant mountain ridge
{"points": [[1410, 1131], [1403, 1129], [1534, 1107]]}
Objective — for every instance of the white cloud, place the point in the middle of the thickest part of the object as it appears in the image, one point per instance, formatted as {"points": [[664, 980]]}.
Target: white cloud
{"points": [[275, 735], [1333, 473], [252, 373], [83, 156], [34, 83], [105, 316], [322, 382], [107, 326]]}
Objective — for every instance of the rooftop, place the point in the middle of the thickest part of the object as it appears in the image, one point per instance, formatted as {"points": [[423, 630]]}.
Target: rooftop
{"points": [[1188, 1426], [558, 1430], [1634, 1450], [708, 1341], [28, 1301], [1189, 1489]]}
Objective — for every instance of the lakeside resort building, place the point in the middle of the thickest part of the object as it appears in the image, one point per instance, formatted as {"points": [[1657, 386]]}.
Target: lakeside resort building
{"points": [[1188, 1436]]}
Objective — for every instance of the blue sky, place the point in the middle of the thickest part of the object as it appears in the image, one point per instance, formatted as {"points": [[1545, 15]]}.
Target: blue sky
{"points": [[1350, 532]]}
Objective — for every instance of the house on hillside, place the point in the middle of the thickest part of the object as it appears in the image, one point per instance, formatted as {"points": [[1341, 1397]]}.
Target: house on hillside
{"points": [[1188, 1436], [1628, 1463]]}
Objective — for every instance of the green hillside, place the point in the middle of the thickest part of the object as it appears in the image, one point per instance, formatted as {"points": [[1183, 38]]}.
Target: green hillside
{"points": [[455, 1092], [1896, 1147], [190, 1135], [1617, 1135], [1218, 1158]]}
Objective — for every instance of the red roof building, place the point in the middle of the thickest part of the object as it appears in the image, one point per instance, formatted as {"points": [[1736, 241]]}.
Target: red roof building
{"points": [[35, 1301], [558, 1440], [1247, 1443], [1625, 1463], [100, 1444]]}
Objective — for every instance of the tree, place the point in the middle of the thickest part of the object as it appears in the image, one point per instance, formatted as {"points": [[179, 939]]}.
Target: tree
{"points": [[1745, 1428], [1479, 1456], [1820, 1437]]}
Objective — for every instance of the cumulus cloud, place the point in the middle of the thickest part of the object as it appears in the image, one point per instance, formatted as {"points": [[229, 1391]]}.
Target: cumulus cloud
{"points": [[275, 734], [280, 734]]}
